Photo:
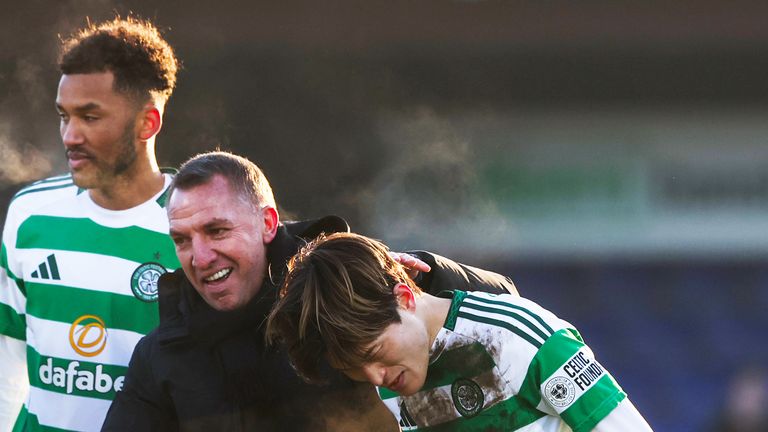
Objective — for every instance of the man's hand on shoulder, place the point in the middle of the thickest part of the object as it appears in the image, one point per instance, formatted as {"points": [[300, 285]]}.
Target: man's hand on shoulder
{"points": [[412, 264]]}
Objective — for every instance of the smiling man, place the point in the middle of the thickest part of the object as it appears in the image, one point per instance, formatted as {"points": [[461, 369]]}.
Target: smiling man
{"points": [[459, 362], [82, 252], [200, 227], [206, 366]]}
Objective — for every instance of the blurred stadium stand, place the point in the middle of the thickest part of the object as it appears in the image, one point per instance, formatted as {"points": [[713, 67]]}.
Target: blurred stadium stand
{"points": [[673, 334]]}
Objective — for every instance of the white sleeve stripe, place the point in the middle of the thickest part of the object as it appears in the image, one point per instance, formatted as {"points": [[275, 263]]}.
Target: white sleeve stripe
{"points": [[521, 315], [506, 323], [625, 418]]}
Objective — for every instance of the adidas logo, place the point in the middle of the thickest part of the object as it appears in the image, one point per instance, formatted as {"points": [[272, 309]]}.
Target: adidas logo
{"points": [[47, 269]]}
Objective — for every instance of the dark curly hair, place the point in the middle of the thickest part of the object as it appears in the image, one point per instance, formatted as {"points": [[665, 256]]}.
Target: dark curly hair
{"points": [[142, 62]]}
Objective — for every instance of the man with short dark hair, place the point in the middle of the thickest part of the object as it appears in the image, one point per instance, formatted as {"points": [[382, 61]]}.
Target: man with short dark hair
{"points": [[464, 361], [207, 366], [82, 252]]}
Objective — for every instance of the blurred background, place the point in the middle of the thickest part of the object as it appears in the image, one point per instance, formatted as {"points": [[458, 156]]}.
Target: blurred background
{"points": [[610, 157]]}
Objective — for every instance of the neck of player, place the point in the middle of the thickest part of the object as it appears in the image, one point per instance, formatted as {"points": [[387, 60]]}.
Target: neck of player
{"points": [[137, 184], [432, 311]]}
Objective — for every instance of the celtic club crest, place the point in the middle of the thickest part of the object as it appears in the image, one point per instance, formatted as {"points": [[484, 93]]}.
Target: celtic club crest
{"points": [[144, 281], [468, 397]]}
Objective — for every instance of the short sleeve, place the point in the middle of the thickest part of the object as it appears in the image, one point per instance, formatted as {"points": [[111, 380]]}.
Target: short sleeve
{"points": [[565, 378]]}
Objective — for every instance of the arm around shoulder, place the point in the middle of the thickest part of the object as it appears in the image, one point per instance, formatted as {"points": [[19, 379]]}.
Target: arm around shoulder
{"points": [[448, 275], [141, 405]]}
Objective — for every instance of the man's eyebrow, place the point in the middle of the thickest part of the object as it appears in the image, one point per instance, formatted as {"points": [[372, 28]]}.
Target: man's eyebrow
{"points": [[206, 226], [371, 352], [90, 106], [215, 222]]}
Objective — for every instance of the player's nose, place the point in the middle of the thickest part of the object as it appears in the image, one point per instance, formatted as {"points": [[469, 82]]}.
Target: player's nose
{"points": [[375, 374], [202, 254]]}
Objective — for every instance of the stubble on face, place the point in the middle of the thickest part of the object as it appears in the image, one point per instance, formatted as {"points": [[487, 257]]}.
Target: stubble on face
{"points": [[107, 171], [98, 130]]}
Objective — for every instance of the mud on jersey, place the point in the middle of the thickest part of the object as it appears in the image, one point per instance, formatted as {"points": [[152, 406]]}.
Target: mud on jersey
{"points": [[79, 284], [503, 363]]}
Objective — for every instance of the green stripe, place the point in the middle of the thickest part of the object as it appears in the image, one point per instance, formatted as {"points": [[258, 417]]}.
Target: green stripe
{"points": [[66, 304], [131, 243], [12, 323], [594, 405], [512, 315], [510, 415], [33, 189], [27, 422], [557, 350], [56, 375], [514, 306], [450, 320], [502, 324], [385, 393], [464, 362]]}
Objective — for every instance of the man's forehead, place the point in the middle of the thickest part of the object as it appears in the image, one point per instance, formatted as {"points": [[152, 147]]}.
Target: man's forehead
{"points": [[77, 90], [214, 189], [179, 223], [183, 204], [87, 81], [207, 203]]}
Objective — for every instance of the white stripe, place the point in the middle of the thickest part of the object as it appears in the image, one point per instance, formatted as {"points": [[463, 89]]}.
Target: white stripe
{"points": [[498, 316], [76, 413], [147, 215], [393, 404], [546, 424], [14, 383], [10, 294], [70, 265], [35, 197], [51, 339], [535, 310]]}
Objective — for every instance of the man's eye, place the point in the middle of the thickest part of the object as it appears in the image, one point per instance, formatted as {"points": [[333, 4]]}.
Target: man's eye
{"points": [[90, 118]]}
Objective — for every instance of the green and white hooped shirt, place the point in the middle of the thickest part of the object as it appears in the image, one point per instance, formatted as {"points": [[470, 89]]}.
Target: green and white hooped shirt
{"points": [[503, 363], [78, 283]]}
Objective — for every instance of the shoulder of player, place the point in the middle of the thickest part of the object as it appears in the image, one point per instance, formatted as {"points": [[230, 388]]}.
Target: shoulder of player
{"points": [[508, 311], [51, 186], [43, 192]]}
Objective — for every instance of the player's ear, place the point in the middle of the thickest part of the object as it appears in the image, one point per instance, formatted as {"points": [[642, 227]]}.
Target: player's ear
{"points": [[150, 122], [406, 299], [271, 222]]}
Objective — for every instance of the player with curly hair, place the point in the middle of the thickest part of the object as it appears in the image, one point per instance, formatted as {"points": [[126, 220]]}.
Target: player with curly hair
{"points": [[82, 252]]}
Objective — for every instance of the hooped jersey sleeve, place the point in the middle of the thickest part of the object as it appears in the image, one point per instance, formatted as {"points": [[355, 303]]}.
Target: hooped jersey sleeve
{"points": [[502, 362]]}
